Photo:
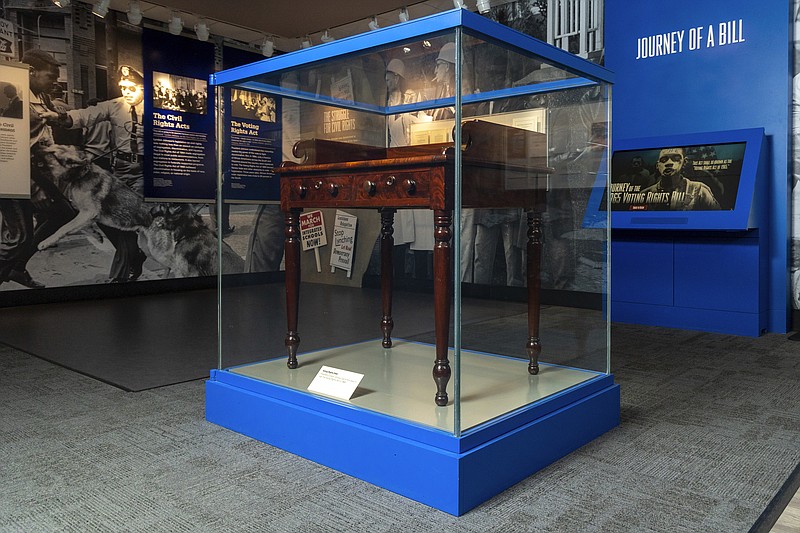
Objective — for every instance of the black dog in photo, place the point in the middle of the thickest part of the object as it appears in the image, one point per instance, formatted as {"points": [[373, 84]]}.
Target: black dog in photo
{"points": [[95, 193], [180, 240]]}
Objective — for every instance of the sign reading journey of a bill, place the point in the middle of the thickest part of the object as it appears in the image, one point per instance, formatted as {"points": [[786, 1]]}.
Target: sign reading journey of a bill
{"points": [[344, 240], [6, 38]]}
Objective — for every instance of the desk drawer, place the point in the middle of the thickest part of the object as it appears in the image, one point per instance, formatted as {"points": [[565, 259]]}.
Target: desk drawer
{"points": [[365, 189]]}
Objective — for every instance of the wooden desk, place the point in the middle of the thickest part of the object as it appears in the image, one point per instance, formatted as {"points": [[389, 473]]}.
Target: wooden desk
{"points": [[502, 167]]}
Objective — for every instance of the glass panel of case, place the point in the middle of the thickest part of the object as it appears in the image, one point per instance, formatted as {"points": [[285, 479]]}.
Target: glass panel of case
{"points": [[461, 284]]}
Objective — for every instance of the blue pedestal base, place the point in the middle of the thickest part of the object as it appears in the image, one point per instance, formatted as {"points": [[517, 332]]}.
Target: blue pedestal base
{"points": [[453, 474]]}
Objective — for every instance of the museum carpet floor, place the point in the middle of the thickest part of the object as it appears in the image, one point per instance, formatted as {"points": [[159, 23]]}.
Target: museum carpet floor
{"points": [[709, 441]]}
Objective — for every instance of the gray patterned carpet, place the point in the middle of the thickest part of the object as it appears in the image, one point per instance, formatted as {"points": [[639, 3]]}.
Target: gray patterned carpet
{"points": [[710, 432]]}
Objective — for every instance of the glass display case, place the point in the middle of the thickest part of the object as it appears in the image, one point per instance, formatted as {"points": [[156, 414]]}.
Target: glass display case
{"points": [[434, 189]]}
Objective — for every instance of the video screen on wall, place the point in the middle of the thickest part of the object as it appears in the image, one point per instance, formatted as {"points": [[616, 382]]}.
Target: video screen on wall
{"points": [[677, 178]]}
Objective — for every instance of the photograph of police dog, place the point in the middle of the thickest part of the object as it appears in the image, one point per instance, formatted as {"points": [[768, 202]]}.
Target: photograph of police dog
{"points": [[175, 234], [94, 192], [179, 239]]}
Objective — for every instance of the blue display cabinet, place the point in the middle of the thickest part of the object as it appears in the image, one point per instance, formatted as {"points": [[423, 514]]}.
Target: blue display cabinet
{"points": [[446, 135]]}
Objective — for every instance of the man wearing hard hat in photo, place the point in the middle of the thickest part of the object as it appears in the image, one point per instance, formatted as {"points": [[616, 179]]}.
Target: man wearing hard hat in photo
{"points": [[125, 115], [413, 227], [398, 93], [445, 76]]}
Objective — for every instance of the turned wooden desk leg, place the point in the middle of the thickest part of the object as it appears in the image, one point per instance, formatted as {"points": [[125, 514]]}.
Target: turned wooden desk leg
{"points": [[534, 346], [442, 274], [387, 274], [292, 259]]}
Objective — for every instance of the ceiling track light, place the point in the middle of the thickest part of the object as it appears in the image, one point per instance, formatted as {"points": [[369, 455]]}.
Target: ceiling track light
{"points": [[306, 42], [484, 6], [326, 37], [267, 47], [62, 3], [373, 23], [201, 30], [403, 15], [175, 25], [134, 12], [459, 4], [101, 8]]}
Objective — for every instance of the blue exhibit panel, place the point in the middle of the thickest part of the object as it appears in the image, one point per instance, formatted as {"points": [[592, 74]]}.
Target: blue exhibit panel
{"points": [[706, 270], [709, 282], [730, 72], [338, 443], [727, 322], [492, 468], [641, 270], [401, 458]]}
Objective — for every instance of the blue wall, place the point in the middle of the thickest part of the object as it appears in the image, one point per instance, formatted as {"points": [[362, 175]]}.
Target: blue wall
{"points": [[744, 84]]}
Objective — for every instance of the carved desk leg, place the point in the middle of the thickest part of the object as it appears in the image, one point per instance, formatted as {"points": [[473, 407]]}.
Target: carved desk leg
{"points": [[387, 274], [292, 259], [534, 346], [442, 219]]}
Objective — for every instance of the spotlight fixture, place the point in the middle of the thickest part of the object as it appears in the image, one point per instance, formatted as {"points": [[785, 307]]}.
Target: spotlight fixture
{"points": [[403, 16], [326, 37], [101, 8], [459, 4], [62, 3], [175, 26], [267, 48], [201, 30], [306, 42], [484, 6], [373, 24], [134, 12]]}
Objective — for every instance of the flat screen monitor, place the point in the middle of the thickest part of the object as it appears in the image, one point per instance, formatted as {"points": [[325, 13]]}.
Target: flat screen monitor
{"points": [[694, 181]]}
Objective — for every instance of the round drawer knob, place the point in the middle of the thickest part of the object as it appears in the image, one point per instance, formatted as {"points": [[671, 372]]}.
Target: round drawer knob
{"points": [[410, 185], [333, 189], [302, 190], [369, 187]]}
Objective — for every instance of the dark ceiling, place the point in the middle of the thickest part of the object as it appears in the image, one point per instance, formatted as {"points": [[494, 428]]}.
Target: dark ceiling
{"points": [[287, 18]]}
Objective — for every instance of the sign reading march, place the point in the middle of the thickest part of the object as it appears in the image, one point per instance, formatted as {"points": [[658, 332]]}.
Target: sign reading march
{"points": [[312, 230], [677, 178], [312, 233]]}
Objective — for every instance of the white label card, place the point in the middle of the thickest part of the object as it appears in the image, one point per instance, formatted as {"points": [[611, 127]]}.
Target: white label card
{"points": [[336, 382]]}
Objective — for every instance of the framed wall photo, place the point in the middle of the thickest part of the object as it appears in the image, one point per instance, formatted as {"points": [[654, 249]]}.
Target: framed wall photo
{"points": [[696, 181], [15, 169]]}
